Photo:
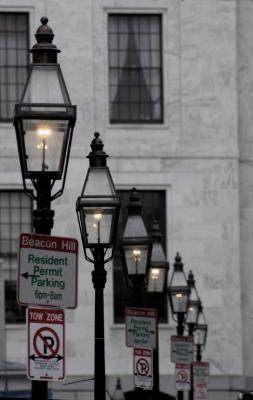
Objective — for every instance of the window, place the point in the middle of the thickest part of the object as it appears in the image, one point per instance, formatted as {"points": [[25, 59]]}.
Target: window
{"points": [[135, 68], [13, 60], [153, 207], [15, 218]]}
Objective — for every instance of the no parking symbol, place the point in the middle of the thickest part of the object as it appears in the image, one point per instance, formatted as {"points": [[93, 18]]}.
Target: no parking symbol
{"points": [[45, 344], [183, 376], [143, 368]]}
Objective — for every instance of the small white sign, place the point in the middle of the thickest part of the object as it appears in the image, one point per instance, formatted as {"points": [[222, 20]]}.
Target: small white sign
{"points": [[46, 344], [201, 392], [143, 368], [183, 376], [47, 271], [141, 327], [181, 349]]}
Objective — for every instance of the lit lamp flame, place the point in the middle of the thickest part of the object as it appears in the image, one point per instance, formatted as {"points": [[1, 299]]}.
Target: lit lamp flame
{"points": [[155, 273], [137, 258], [155, 276], [43, 133], [98, 217]]}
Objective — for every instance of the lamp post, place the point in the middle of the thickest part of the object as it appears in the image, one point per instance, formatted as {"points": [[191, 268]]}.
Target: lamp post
{"points": [[135, 247], [156, 284], [192, 318], [44, 120], [200, 333], [98, 210], [178, 292]]}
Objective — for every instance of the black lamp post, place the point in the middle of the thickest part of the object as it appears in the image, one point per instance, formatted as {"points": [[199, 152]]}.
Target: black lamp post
{"points": [[44, 120], [200, 333], [156, 284], [192, 317], [178, 292], [135, 247], [98, 210]]}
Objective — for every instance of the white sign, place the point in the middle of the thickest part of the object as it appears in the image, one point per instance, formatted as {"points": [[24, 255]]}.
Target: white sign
{"points": [[47, 271], [183, 376], [143, 368], [181, 349], [200, 372], [141, 327], [201, 392], [46, 344]]}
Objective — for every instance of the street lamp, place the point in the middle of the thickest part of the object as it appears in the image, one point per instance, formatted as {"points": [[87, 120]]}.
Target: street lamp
{"points": [[192, 317], [200, 333], [156, 284], [118, 393], [178, 292], [44, 120], [135, 247], [97, 211]]}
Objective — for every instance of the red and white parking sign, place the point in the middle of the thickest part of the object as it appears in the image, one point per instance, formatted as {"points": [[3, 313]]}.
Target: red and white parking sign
{"points": [[183, 376], [143, 368], [46, 348]]}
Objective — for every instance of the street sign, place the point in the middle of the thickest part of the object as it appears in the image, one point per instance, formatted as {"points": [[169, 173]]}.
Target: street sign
{"points": [[201, 392], [46, 344], [141, 327], [183, 376], [181, 349], [47, 271], [143, 368], [200, 372]]}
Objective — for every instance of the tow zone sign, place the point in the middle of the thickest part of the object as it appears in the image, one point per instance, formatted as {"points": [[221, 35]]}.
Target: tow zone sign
{"points": [[183, 376], [46, 344], [143, 368]]}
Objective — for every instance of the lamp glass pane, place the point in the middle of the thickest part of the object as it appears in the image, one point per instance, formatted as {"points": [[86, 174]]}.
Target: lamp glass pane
{"points": [[45, 143], [156, 279], [45, 85], [98, 224], [192, 314], [199, 336], [157, 254], [179, 301], [135, 227], [99, 183], [136, 259]]}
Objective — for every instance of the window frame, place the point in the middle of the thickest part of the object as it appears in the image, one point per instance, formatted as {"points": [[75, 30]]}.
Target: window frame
{"points": [[157, 122], [27, 14]]}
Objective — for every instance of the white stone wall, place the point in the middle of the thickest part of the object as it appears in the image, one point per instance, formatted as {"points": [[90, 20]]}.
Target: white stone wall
{"points": [[193, 155]]}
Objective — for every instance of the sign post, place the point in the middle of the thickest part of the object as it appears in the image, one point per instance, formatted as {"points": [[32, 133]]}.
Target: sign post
{"points": [[47, 271], [46, 344], [141, 327], [143, 368]]}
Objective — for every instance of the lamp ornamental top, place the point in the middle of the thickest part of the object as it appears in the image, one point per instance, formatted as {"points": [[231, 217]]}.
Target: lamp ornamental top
{"points": [[178, 265], [44, 51], [156, 232], [97, 156]]}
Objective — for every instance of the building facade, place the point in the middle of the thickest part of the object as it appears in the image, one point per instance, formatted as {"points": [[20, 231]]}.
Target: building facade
{"points": [[168, 84]]}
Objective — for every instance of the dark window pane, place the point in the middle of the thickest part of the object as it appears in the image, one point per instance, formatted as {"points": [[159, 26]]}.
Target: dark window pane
{"points": [[13, 60], [135, 54], [153, 207], [15, 218], [14, 313]]}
